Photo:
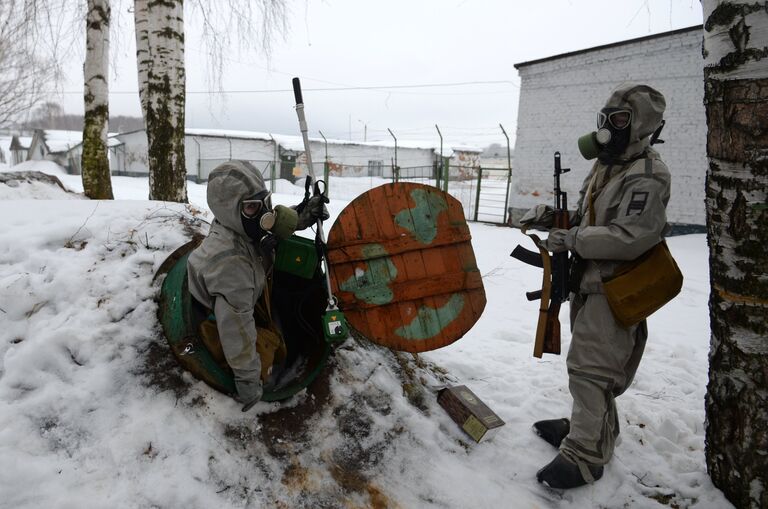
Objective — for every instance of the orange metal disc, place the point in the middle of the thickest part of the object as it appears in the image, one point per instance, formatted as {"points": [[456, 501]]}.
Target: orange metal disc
{"points": [[403, 268]]}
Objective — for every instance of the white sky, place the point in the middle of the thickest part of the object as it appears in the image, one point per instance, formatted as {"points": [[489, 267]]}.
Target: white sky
{"points": [[355, 43]]}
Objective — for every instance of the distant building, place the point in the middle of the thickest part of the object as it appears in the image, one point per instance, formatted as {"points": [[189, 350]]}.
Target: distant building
{"points": [[54, 145], [495, 156], [5, 148], [19, 149], [561, 95], [281, 156]]}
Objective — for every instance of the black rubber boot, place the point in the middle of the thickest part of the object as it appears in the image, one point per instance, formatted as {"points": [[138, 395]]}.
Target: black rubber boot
{"points": [[553, 430], [563, 474]]}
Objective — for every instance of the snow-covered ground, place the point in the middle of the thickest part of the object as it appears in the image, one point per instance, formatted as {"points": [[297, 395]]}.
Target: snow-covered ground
{"points": [[94, 411]]}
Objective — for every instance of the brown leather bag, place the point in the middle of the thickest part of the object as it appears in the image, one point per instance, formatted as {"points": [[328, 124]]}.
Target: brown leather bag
{"points": [[639, 288]]}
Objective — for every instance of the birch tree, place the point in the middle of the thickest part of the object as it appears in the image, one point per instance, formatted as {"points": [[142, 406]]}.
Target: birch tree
{"points": [[24, 74], [160, 59], [736, 100], [97, 182]]}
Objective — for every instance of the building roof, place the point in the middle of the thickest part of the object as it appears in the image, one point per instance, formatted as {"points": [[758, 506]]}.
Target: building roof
{"points": [[296, 143], [611, 45], [20, 142], [60, 141]]}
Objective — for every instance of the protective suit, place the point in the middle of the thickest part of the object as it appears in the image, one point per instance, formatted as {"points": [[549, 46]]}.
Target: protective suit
{"points": [[621, 214], [227, 273]]}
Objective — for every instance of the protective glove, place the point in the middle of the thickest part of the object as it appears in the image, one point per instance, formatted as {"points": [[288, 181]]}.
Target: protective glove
{"points": [[541, 216], [312, 210], [560, 240], [268, 243]]}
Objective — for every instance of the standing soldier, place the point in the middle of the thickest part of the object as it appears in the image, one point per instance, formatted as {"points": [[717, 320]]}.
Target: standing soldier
{"points": [[621, 215]]}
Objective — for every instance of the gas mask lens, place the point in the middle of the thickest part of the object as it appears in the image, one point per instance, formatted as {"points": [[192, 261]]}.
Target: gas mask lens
{"points": [[619, 119], [254, 207]]}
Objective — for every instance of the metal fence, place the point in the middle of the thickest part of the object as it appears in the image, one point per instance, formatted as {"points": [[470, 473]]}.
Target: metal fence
{"points": [[483, 192]]}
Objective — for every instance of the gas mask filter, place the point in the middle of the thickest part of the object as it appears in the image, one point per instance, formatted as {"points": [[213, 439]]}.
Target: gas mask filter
{"points": [[281, 221]]}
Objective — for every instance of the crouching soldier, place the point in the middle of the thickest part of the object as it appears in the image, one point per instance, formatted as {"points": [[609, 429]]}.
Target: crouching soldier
{"points": [[229, 271], [621, 214]]}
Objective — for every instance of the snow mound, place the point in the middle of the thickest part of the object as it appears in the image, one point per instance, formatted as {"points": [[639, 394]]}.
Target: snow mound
{"points": [[19, 185], [95, 411]]}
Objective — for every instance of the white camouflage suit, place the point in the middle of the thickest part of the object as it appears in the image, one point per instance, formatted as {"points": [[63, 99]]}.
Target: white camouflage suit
{"points": [[227, 273], [628, 218]]}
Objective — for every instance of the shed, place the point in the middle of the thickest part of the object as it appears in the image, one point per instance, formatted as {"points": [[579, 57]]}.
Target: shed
{"points": [[55, 145], [19, 148]]}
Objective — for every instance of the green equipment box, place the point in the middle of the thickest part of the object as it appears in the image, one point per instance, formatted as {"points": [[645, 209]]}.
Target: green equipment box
{"points": [[297, 256]]}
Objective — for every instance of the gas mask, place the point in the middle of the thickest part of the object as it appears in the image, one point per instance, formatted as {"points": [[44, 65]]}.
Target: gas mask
{"points": [[612, 136], [260, 220]]}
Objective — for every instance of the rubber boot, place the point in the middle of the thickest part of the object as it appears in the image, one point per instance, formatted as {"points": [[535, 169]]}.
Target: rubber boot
{"points": [[553, 430], [561, 473], [249, 392]]}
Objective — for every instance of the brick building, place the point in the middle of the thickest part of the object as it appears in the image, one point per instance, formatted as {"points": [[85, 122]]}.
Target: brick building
{"points": [[561, 95]]}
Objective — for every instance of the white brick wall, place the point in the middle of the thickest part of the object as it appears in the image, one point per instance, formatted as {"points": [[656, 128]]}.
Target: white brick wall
{"points": [[559, 100]]}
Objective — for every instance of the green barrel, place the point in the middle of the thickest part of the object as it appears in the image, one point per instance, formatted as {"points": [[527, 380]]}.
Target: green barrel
{"points": [[299, 302]]}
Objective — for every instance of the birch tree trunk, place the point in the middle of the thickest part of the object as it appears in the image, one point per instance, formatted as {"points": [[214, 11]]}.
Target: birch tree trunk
{"points": [[160, 59], [736, 100], [97, 182]]}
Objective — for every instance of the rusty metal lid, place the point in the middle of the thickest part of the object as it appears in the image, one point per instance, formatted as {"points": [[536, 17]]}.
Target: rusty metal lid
{"points": [[403, 268]]}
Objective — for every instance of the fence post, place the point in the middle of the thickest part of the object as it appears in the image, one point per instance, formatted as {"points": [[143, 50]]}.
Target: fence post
{"points": [[446, 173], [506, 194], [272, 175], [509, 175], [477, 195]]}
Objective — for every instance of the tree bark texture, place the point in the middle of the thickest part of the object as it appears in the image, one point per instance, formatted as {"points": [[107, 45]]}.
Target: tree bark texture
{"points": [[736, 99], [97, 183], [160, 58]]}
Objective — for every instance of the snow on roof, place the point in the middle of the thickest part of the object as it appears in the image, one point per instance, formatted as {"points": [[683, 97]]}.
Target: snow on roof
{"points": [[228, 133], [23, 141], [296, 142], [61, 141]]}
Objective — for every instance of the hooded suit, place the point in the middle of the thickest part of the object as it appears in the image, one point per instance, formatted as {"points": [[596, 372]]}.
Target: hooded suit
{"points": [[621, 214], [227, 272]]}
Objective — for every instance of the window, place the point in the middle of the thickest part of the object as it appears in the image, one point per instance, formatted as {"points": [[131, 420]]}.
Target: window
{"points": [[376, 168]]}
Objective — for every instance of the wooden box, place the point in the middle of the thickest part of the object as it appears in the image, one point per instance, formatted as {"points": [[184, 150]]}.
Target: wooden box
{"points": [[471, 414]]}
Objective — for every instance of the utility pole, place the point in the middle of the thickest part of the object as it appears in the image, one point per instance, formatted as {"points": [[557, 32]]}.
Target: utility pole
{"points": [[395, 167], [509, 174]]}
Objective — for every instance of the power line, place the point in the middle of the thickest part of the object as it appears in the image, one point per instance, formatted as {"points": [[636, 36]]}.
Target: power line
{"points": [[327, 89]]}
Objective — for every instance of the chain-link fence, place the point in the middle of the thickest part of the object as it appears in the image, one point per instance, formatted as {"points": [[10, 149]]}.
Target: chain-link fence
{"points": [[483, 192], [206, 166]]}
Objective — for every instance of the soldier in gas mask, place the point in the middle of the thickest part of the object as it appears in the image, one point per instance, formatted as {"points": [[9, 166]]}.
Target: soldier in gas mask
{"points": [[621, 214], [227, 273]]}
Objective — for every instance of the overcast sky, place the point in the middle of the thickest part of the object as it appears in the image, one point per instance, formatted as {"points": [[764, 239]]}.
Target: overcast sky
{"points": [[467, 47]]}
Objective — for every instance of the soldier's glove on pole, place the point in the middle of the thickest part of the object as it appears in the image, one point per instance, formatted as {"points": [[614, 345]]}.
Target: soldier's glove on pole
{"points": [[313, 210], [560, 240], [541, 216]]}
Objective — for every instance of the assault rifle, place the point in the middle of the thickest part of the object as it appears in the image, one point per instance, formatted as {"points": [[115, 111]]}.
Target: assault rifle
{"points": [[554, 285]]}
